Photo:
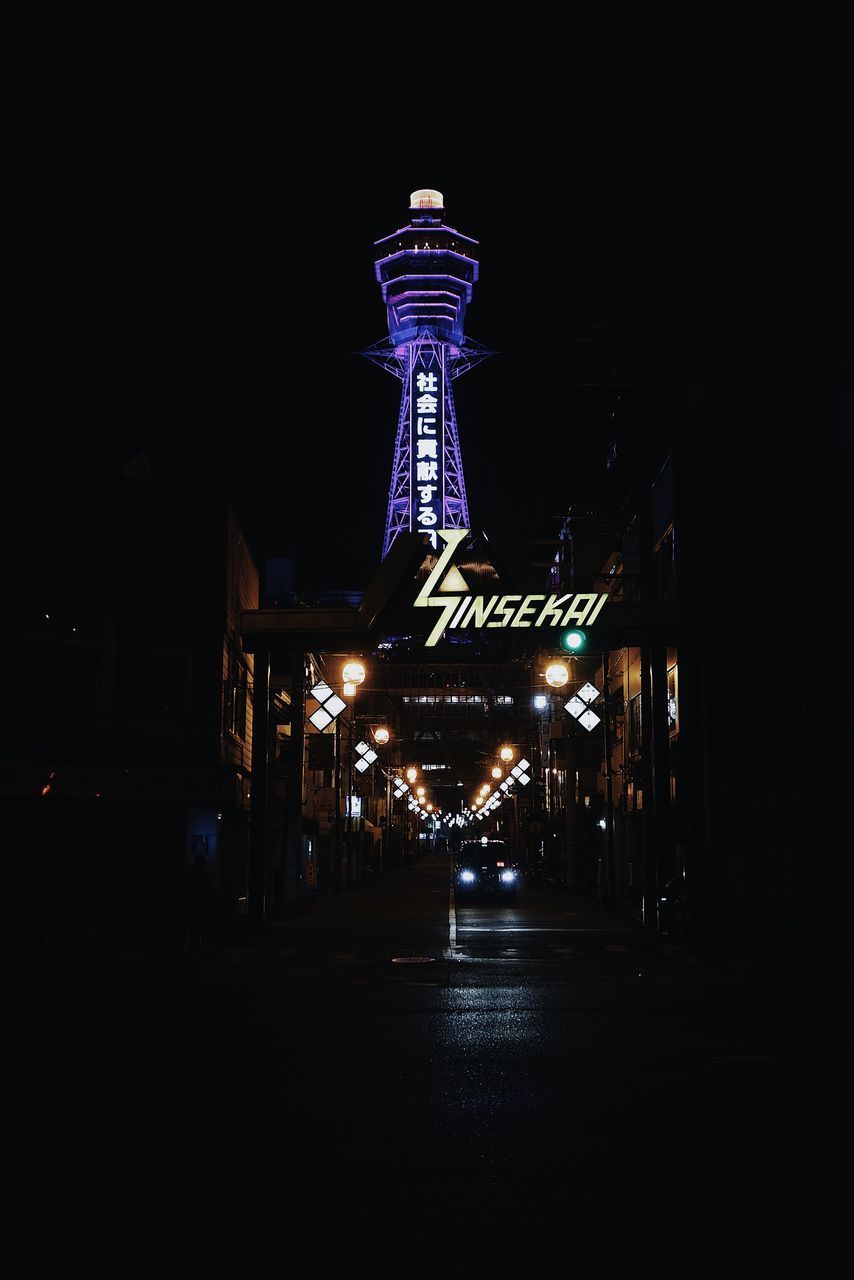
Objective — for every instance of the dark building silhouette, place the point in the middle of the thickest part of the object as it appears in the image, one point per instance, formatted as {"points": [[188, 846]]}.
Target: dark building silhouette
{"points": [[126, 738], [726, 720]]}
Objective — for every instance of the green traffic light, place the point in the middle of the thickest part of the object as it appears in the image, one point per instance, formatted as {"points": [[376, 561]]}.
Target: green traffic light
{"points": [[573, 641]]}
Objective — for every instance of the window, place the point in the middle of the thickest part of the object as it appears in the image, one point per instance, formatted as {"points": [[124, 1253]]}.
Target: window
{"points": [[672, 701], [234, 702]]}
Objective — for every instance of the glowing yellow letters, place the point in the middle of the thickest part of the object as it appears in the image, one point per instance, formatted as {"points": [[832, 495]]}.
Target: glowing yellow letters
{"points": [[458, 610]]}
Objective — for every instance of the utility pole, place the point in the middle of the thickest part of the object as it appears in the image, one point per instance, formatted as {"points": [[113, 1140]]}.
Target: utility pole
{"points": [[349, 839], [571, 860], [537, 813], [384, 843], [610, 859], [293, 823], [649, 877], [663, 824], [337, 871], [260, 786]]}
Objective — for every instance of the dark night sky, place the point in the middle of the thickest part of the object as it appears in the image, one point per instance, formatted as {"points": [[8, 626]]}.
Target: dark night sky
{"points": [[206, 302]]}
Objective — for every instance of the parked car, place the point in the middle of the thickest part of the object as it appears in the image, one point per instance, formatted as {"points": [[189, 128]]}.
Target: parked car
{"points": [[484, 868]]}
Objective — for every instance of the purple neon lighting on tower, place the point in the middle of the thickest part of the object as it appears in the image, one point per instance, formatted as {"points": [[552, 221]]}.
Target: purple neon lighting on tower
{"points": [[427, 271]]}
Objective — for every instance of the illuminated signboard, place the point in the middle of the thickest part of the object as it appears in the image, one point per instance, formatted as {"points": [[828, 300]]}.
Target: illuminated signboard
{"points": [[427, 435], [459, 610]]}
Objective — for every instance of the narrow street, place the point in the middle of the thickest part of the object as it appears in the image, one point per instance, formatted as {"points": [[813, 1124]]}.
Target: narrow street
{"points": [[395, 1083]]}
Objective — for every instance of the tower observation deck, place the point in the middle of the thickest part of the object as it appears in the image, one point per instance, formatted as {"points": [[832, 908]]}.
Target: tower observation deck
{"points": [[427, 272]]}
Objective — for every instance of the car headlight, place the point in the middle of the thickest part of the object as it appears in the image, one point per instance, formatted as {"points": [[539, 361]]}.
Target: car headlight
{"points": [[507, 877], [467, 877]]}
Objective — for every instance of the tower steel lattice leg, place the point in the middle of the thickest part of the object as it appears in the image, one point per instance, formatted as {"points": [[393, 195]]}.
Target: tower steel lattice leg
{"points": [[397, 518], [455, 504]]}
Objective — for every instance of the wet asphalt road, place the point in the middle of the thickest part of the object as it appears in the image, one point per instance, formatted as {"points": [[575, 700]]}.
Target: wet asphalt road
{"points": [[395, 1084]]}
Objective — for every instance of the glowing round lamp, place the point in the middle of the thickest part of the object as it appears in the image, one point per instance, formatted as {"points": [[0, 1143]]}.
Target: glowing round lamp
{"points": [[506, 753], [353, 673], [496, 772], [556, 675], [420, 791], [381, 735], [411, 774]]}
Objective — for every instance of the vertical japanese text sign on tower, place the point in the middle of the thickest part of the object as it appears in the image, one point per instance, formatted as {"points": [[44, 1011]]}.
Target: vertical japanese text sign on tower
{"points": [[426, 415]]}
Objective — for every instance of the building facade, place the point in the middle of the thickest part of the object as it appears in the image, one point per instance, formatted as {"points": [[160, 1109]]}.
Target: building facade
{"points": [[715, 757], [127, 744]]}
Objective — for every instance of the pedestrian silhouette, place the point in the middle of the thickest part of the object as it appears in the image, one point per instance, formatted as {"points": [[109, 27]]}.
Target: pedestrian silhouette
{"points": [[196, 902]]}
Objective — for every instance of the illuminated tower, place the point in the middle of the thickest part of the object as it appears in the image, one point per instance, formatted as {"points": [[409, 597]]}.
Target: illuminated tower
{"points": [[427, 271]]}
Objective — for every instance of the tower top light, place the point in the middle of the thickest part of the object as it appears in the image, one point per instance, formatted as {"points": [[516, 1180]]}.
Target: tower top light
{"points": [[426, 198]]}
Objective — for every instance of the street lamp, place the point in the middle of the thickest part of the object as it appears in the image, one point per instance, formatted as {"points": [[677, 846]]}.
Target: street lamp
{"points": [[382, 734], [411, 773], [506, 753], [496, 773], [557, 675], [328, 711], [352, 674]]}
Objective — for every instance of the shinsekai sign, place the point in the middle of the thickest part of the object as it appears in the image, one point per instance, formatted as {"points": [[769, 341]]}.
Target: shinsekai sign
{"points": [[446, 591]]}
